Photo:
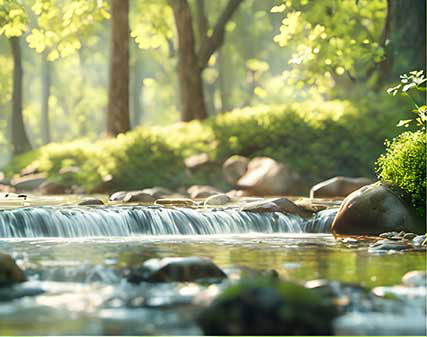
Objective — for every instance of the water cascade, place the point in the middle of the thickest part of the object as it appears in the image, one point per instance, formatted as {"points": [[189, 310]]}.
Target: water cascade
{"points": [[144, 220]]}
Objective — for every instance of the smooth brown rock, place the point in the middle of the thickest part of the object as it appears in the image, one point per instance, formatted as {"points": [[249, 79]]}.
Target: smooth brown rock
{"points": [[91, 202], [138, 196], [265, 176], [29, 182], [338, 187], [10, 273], [375, 209], [234, 168]]}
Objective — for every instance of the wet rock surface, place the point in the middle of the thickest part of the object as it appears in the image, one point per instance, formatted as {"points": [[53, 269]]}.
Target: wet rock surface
{"points": [[10, 273], [338, 187], [266, 307], [175, 269], [375, 209]]}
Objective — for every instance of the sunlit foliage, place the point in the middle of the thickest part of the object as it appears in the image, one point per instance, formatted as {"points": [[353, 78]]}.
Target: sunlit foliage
{"points": [[331, 39]]}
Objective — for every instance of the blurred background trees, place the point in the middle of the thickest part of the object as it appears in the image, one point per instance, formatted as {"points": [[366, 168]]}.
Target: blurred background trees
{"points": [[190, 59]]}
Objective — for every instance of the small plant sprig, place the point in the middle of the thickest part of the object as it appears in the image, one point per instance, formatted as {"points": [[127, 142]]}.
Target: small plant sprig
{"points": [[409, 83]]}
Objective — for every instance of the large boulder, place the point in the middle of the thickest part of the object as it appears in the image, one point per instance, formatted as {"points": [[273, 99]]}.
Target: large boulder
{"points": [[268, 307], [10, 273], [266, 176], [375, 209], [234, 168], [177, 269], [338, 187]]}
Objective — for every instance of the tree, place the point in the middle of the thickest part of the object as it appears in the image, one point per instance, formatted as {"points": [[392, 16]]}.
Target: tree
{"points": [[118, 119], [191, 63], [19, 138], [45, 94], [404, 39], [12, 24]]}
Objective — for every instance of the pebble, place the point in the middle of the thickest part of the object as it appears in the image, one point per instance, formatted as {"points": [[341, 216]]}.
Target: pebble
{"points": [[388, 235], [409, 236], [90, 202], [419, 240], [386, 244], [415, 278]]}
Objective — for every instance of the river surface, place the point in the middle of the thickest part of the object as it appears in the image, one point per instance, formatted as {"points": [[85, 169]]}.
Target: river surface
{"points": [[86, 294], [79, 284]]}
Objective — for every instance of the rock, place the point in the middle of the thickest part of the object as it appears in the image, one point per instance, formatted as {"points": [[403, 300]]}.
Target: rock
{"points": [[388, 235], [28, 182], [157, 192], [118, 196], [283, 205], [10, 273], [234, 168], [268, 307], [418, 240], [177, 269], [409, 236], [217, 200], [338, 187], [202, 191], [183, 202], [375, 209], [265, 176], [52, 188], [387, 244], [415, 278], [91, 202], [10, 293], [138, 196], [197, 161]]}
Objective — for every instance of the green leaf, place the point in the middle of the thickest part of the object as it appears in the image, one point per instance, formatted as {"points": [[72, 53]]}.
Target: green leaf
{"points": [[404, 122]]}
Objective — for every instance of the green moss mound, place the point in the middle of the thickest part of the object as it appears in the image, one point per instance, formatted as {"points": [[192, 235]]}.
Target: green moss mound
{"points": [[319, 139], [404, 165], [268, 307]]}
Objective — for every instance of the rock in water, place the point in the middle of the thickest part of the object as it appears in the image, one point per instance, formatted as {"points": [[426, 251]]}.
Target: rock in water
{"points": [[374, 209], [217, 200], [10, 273], [177, 269], [338, 187], [268, 307]]}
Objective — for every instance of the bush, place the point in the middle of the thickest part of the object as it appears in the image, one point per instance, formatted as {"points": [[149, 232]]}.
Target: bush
{"points": [[404, 165], [319, 139]]}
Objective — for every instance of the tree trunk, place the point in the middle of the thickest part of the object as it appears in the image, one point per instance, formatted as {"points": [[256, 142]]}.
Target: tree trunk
{"points": [[20, 142], [118, 120], [137, 92], [404, 39], [45, 94], [189, 73]]}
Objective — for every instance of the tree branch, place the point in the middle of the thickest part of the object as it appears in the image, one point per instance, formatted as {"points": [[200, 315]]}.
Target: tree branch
{"points": [[209, 45], [202, 20]]}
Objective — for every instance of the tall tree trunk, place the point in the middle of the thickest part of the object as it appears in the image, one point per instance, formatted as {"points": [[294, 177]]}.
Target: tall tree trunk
{"points": [[190, 63], [137, 92], [118, 120], [20, 142], [404, 39], [189, 73], [45, 94]]}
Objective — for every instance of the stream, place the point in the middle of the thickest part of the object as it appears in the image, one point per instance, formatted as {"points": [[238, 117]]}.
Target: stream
{"points": [[76, 257]]}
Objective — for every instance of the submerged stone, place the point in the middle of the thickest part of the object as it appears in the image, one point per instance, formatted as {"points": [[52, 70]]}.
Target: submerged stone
{"points": [[375, 209], [177, 269], [10, 273], [268, 307], [91, 202], [415, 278]]}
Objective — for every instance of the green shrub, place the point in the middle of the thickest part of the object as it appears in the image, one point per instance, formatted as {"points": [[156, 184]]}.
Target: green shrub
{"points": [[404, 165], [319, 139]]}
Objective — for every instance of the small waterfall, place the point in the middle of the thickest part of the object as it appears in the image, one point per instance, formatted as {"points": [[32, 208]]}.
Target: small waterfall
{"points": [[139, 220]]}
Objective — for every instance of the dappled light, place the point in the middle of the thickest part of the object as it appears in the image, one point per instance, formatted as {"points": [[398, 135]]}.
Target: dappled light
{"points": [[230, 167]]}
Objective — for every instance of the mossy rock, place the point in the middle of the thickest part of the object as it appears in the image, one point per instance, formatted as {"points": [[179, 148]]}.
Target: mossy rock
{"points": [[268, 307]]}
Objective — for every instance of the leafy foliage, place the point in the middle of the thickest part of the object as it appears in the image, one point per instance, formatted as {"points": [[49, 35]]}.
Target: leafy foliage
{"points": [[319, 139], [409, 83], [404, 165]]}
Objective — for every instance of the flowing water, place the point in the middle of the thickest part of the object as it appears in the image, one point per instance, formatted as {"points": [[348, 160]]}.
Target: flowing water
{"points": [[77, 256]]}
